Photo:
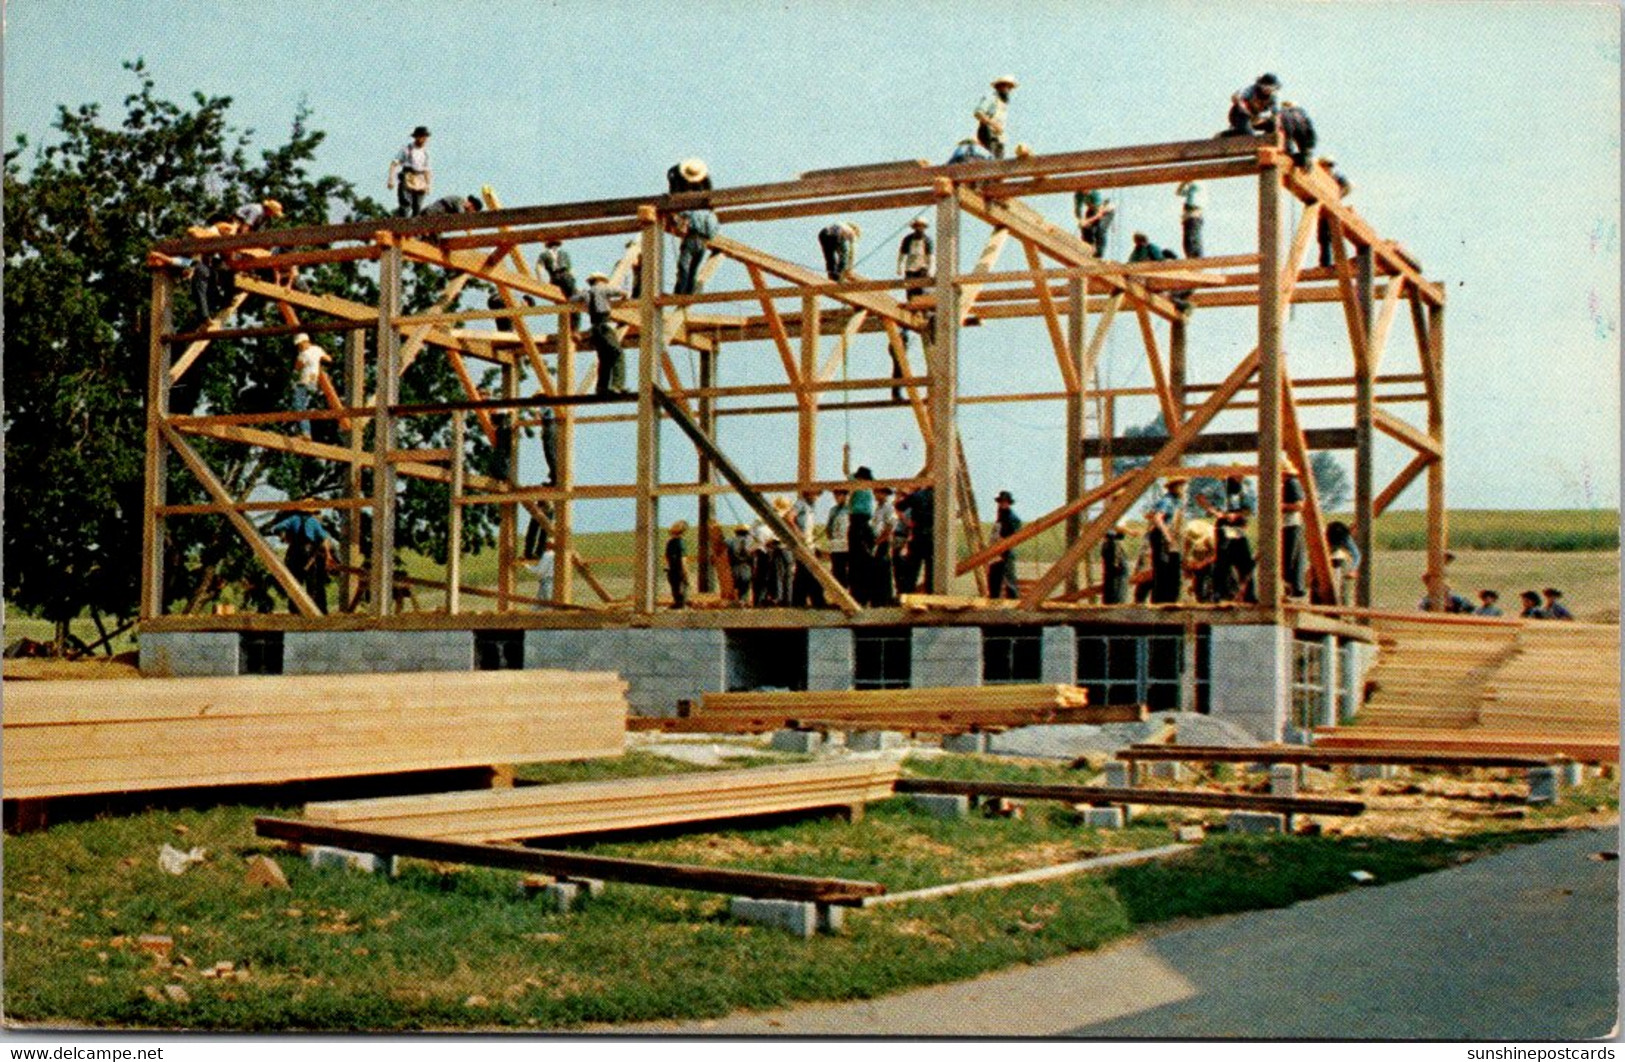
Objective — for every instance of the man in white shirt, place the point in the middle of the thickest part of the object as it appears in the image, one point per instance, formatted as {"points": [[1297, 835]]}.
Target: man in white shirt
{"points": [[885, 525], [990, 115], [411, 166], [542, 569], [307, 367]]}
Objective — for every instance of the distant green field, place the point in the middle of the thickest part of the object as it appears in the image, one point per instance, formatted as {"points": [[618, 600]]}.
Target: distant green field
{"points": [[1537, 530]]}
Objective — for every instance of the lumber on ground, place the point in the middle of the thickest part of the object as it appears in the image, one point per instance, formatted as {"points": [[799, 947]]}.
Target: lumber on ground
{"points": [[619, 804], [1597, 747], [82, 737], [1097, 794], [755, 883], [922, 708], [1412, 757]]}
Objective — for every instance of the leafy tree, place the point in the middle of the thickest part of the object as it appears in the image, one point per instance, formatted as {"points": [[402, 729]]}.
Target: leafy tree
{"points": [[81, 215], [1331, 481]]}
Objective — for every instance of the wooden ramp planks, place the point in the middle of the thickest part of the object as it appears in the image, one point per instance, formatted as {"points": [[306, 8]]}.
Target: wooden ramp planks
{"points": [[622, 804], [66, 738]]}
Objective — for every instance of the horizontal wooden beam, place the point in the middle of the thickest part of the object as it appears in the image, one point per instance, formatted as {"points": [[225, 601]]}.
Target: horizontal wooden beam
{"points": [[1099, 794], [689, 876], [1235, 442], [1417, 757]]}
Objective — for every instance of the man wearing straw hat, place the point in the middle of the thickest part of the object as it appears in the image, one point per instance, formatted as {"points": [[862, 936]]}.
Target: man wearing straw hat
{"points": [[1166, 535], [990, 114], [611, 360], [690, 175]]}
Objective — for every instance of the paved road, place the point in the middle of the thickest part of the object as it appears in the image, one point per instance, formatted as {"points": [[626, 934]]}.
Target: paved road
{"points": [[1520, 945]]}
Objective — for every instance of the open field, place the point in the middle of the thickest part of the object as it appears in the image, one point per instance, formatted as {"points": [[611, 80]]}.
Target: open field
{"points": [[458, 948]]}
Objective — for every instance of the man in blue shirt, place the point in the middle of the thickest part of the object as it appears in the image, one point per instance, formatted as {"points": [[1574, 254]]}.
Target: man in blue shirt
{"points": [[309, 552], [860, 539], [1166, 537], [1094, 213], [1144, 249], [1555, 608], [1193, 199], [600, 301], [1488, 604], [1253, 109], [696, 227]]}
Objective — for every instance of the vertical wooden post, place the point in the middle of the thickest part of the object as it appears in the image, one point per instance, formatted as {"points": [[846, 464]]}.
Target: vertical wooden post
{"points": [[355, 395], [508, 512], [705, 573], [1364, 471], [1268, 574], [156, 486], [1077, 333], [454, 522], [1176, 367], [564, 476], [387, 387], [807, 418], [651, 343], [1108, 432], [942, 364], [1438, 516]]}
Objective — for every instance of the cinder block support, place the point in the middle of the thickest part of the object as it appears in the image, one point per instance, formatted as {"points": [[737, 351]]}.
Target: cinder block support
{"points": [[830, 659], [1119, 774], [874, 740], [1060, 655], [323, 857], [1251, 678], [1571, 773], [1169, 771], [943, 805], [1374, 772], [1357, 657], [800, 918], [1283, 780], [1543, 785], [971, 744], [1256, 822], [1329, 659], [1103, 818], [360, 652], [189, 654], [946, 656], [802, 742]]}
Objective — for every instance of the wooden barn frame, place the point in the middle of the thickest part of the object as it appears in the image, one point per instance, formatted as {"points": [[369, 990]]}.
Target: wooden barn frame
{"points": [[1057, 280]]}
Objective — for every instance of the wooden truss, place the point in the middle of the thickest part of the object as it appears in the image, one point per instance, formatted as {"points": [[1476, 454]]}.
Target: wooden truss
{"points": [[808, 325]]}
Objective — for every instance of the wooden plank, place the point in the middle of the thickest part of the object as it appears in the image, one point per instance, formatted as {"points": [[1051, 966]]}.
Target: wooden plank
{"points": [[1378, 340], [1271, 311], [1234, 442], [651, 345], [1321, 587], [267, 556], [1159, 378], [753, 498], [573, 864], [615, 805], [195, 349], [155, 482], [1414, 757], [1406, 476], [1411, 436], [1101, 795], [876, 303], [972, 284], [807, 418], [1357, 314], [942, 366], [1033, 528], [1052, 322]]}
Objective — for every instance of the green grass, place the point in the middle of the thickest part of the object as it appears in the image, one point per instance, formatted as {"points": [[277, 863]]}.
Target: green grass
{"points": [[1540, 531], [459, 948]]}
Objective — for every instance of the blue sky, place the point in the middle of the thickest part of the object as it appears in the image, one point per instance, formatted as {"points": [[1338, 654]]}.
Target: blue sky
{"points": [[1485, 137]]}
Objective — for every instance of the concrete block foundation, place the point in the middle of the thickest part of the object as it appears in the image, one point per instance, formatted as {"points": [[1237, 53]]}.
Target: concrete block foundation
{"points": [[943, 805], [946, 656], [323, 857], [802, 742], [1544, 785], [661, 667], [1103, 818], [1251, 678], [874, 740], [1283, 780], [965, 743], [189, 654], [798, 917], [1256, 822]]}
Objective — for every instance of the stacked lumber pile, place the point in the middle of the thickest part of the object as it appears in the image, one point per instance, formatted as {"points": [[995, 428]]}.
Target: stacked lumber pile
{"points": [[1433, 675], [1541, 688], [64, 738], [930, 709], [622, 804]]}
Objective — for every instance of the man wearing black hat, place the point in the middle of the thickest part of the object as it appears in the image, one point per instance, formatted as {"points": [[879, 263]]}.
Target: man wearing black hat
{"points": [[1253, 109], [1001, 574], [411, 166]]}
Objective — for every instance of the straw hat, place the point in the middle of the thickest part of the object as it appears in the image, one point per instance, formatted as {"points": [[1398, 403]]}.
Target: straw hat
{"points": [[1006, 79], [272, 207], [920, 223], [1169, 481], [693, 169], [596, 277], [857, 230], [781, 504], [301, 340], [679, 527]]}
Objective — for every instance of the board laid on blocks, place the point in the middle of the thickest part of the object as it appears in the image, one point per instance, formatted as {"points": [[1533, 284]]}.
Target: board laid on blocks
{"points": [[69, 738], [622, 804]]}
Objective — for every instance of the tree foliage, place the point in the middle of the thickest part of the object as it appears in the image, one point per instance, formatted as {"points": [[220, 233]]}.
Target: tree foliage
{"points": [[1331, 480], [81, 214]]}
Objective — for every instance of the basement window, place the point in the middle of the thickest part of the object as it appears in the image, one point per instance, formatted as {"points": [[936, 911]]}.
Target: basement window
{"points": [[259, 653], [1308, 681], [499, 650], [1133, 667], [767, 660], [1012, 654], [882, 658]]}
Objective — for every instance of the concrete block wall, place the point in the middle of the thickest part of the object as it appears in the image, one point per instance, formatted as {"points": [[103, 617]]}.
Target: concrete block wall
{"points": [[660, 666], [189, 654], [343, 652], [1251, 677], [830, 659], [946, 656], [1060, 655]]}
